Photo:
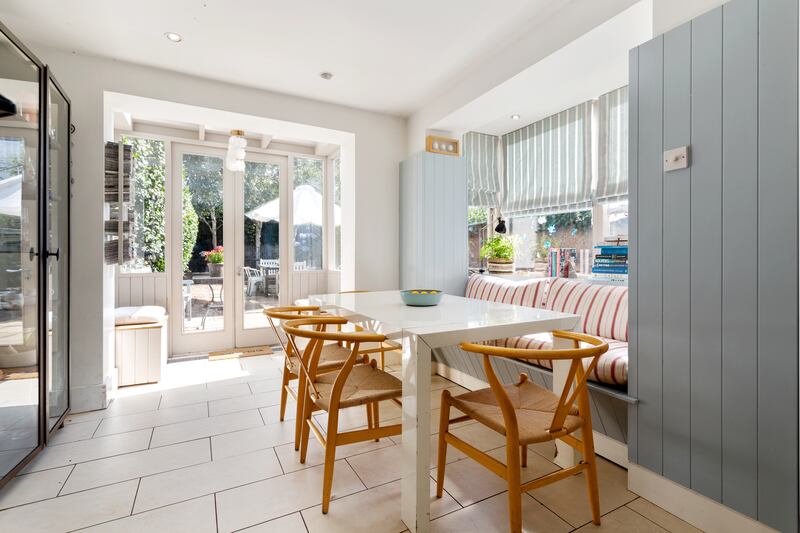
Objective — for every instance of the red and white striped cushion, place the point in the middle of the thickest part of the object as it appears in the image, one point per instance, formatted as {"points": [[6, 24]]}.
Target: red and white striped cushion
{"points": [[612, 368], [603, 308], [530, 292]]}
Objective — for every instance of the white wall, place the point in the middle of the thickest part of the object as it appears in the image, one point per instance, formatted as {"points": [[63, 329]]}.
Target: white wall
{"points": [[373, 206], [668, 14]]}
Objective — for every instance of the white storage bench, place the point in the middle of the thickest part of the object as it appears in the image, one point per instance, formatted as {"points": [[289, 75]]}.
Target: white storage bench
{"points": [[141, 344]]}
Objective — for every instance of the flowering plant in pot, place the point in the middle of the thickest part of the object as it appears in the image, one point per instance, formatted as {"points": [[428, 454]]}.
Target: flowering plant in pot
{"points": [[499, 253], [215, 259]]}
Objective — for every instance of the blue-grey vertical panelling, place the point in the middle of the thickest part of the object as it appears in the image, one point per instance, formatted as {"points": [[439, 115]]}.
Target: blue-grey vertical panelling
{"points": [[714, 282], [633, 219], [739, 264], [676, 235], [706, 250], [777, 264], [648, 255], [433, 222]]}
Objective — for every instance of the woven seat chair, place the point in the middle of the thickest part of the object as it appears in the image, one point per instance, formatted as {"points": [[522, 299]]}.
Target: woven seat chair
{"points": [[376, 348], [525, 413], [353, 385], [332, 356]]}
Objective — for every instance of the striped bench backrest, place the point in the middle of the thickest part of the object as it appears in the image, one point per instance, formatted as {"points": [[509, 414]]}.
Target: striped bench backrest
{"points": [[603, 308], [529, 292]]}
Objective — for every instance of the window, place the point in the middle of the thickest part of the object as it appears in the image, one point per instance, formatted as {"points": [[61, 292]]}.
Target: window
{"points": [[148, 234], [308, 213], [337, 214], [478, 232], [536, 235], [616, 219]]}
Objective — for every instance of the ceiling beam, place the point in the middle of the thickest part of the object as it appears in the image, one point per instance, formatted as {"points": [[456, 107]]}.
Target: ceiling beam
{"points": [[324, 149], [123, 121], [265, 140], [201, 133]]}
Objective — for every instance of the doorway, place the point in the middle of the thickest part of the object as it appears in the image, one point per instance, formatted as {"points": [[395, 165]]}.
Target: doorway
{"points": [[226, 249]]}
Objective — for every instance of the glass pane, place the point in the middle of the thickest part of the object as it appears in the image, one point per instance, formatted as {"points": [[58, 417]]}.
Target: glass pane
{"points": [[535, 236], [148, 231], [261, 250], [617, 216], [203, 254], [337, 214], [308, 214], [19, 362], [57, 237], [477, 234]]}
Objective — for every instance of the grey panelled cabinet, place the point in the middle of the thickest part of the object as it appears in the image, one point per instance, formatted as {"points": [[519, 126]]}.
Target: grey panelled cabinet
{"points": [[433, 223], [714, 273]]}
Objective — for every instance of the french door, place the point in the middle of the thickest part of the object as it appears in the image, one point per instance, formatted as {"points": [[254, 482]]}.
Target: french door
{"points": [[227, 252]]}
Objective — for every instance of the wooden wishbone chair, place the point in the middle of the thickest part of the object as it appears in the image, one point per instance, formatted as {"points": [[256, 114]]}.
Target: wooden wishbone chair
{"points": [[353, 385], [381, 348], [526, 413], [332, 356]]}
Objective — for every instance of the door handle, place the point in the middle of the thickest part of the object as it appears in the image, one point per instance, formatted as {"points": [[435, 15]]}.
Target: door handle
{"points": [[56, 254], [32, 253]]}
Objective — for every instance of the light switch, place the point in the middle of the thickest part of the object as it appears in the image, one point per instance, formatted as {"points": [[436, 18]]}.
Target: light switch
{"points": [[676, 159]]}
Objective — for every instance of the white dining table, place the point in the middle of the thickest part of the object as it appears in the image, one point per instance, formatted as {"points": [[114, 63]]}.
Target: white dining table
{"points": [[422, 330]]}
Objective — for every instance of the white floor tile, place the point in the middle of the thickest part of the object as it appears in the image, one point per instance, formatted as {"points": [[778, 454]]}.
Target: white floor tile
{"points": [[193, 516], [265, 385], [89, 450], [150, 419], [272, 413], [469, 482], [135, 465], [249, 440], [661, 517], [290, 459], [376, 510], [286, 524], [74, 432], [243, 403], [207, 478], [624, 520], [33, 487], [492, 515], [205, 427], [71, 512], [258, 502], [119, 406], [176, 397]]}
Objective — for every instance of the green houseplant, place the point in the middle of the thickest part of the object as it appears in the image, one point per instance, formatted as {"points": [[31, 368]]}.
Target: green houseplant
{"points": [[499, 253], [215, 259]]}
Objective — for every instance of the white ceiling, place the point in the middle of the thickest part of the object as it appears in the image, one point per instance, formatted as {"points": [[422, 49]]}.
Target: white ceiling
{"points": [[388, 56]]}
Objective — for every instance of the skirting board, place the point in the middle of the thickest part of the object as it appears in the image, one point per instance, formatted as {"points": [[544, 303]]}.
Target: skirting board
{"points": [[614, 451], [700, 511]]}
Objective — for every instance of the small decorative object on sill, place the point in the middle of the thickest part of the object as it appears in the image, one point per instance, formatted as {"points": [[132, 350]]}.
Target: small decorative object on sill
{"points": [[442, 145], [501, 225], [561, 263], [499, 254]]}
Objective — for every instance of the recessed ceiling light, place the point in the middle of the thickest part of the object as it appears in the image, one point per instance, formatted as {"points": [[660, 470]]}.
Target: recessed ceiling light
{"points": [[325, 75], [514, 117], [174, 37]]}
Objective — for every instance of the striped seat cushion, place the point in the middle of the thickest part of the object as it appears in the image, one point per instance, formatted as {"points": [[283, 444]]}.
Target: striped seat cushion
{"points": [[611, 369], [603, 308], [529, 292]]}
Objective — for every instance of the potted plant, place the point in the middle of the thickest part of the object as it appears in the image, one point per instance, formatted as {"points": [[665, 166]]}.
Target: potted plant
{"points": [[499, 252], [215, 259]]}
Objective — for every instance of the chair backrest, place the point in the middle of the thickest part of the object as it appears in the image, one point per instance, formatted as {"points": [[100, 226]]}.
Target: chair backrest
{"points": [[317, 338], [269, 263], [575, 385], [281, 314]]}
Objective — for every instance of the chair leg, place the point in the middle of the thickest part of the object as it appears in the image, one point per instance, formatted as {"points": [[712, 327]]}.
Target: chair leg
{"points": [[441, 454], [383, 358], [591, 478], [514, 490], [284, 391], [370, 414], [330, 459], [376, 417], [524, 454], [300, 412], [304, 429]]}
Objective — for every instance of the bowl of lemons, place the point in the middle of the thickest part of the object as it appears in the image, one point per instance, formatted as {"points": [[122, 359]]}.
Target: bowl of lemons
{"points": [[421, 297]]}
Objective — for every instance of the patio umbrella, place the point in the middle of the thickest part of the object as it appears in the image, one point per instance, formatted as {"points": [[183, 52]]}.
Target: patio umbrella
{"points": [[307, 208], [11, 195]]}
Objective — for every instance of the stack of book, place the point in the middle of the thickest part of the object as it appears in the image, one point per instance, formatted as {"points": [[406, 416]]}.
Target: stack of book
{"points": [[611, 259]]}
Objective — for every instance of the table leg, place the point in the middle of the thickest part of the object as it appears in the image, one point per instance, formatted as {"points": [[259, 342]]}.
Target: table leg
{"points": [[566, 455], [415, 485]]}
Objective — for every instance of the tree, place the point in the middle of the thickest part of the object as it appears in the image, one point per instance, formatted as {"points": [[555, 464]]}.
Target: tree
{"points": [[261, 185], [203, 177], [190, 225], [149, 178]]}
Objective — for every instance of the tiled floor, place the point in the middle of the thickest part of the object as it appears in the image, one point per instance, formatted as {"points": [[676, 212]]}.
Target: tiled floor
{"points": [[204, 451]]}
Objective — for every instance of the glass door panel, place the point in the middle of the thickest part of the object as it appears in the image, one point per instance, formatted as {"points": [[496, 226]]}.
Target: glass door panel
{"points": [[57, 260], [202, 243], [19, 244], [308, 213], [261, 270]]}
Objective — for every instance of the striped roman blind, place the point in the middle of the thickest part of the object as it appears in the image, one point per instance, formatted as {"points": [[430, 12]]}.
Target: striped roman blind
{"points": [[612, 153], [483, 177], [549, 164]]}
